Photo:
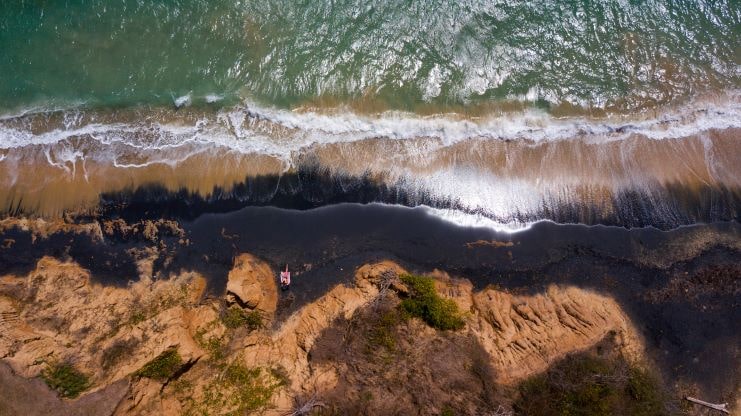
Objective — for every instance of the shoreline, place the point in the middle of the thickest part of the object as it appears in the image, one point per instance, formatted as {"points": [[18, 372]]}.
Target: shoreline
{"points": [[644, 270], [284, 208], [664, 172], [517, 183]]}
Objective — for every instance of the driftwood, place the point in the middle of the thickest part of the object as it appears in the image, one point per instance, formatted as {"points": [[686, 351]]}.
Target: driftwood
{"points": [[718, 407]]}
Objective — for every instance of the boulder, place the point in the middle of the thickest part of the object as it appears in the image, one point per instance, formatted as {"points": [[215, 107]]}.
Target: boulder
{"points": [[252, 283]]}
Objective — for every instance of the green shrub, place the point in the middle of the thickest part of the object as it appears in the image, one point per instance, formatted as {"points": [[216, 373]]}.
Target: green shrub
{"points": [[586, 385], [162, 367], [280, 374], [65, 379], [381, 333], [137, 316], [252, 392], [214, 345], [237, 390], [647, 397], [424, 302], [235, 317]]}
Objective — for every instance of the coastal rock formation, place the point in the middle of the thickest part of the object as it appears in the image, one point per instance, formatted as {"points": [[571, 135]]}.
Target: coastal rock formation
{"points": [[359, 358], [525, 334], [143, 230], [289, 345], [33, 397], [41, 228], [252, 282], [56, 314]]}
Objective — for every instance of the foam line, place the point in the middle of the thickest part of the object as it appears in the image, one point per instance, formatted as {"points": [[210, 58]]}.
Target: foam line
{"points": [[254, 129]]}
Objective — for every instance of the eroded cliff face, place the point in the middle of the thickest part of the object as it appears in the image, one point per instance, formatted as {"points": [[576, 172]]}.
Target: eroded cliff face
{"points": [[525, 334], [56, 314]]}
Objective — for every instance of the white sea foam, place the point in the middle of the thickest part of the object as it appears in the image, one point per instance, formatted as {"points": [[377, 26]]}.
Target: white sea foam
{"points": [[213, 98], [464, 219], [182, 101], [470, 193], [251, 128], [531, 125]]}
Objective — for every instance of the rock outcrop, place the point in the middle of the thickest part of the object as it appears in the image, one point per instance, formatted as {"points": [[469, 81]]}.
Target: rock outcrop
{"points": [[57, 314], [288, 347], [525, 334], [108, 332], [251, 282], [40, 228]]}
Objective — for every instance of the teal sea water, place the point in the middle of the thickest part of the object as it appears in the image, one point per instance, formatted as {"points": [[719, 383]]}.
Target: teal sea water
{"points": [[620, 55], [490, 112]]}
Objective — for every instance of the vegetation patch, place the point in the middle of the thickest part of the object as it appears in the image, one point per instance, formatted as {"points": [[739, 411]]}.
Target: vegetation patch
{"points": [[162, 367], [237, 390], [236, 317], [137, 316], [425, 303], [280, 374], [213, 344], [65, 379], [383, 332], [588, 385]]}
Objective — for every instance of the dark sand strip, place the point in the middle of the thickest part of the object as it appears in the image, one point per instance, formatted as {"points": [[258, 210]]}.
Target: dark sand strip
{"points": [[680, 287]]}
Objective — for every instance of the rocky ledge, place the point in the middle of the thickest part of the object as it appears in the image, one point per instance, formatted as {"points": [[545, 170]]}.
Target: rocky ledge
{"points": [[163, 346]]}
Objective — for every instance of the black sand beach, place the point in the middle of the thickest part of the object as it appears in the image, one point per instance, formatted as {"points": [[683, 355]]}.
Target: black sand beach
{"points": [[680, 287]]}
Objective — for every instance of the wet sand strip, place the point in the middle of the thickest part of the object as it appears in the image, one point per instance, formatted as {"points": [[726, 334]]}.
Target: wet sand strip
{"points": [[666, 207]]}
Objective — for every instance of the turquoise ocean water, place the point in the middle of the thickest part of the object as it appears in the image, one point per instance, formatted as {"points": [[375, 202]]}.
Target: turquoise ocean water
{"points": [[620, 55]]}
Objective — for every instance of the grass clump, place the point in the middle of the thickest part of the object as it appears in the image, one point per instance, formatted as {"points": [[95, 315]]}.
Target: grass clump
{"points": [[424, 302], [137, 317], [162, 367], [65, 379], [382, 333], [237, 390], [213, 344], [643, 388], [594, 386], [236, 317], [280, 374], [253, 320]]}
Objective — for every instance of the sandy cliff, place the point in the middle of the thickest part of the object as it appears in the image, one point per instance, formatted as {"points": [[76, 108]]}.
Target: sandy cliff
{"points": [[56, 314]]}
